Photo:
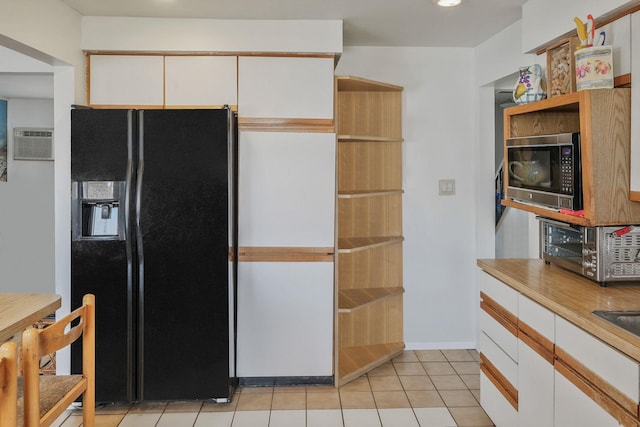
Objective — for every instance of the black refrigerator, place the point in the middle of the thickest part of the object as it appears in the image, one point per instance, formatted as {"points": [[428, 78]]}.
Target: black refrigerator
{"points": [[154, 237]]}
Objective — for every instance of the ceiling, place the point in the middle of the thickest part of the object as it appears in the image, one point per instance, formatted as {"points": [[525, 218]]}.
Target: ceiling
{"points": [[418, 23], [366, 22]]}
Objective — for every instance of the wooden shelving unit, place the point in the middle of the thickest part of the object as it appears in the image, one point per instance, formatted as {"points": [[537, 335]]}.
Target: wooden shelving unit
{"points": [[369, 287], [603, 119]]}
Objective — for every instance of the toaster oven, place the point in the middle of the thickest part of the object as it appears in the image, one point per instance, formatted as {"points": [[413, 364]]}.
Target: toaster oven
{"points": [[603, 254]]}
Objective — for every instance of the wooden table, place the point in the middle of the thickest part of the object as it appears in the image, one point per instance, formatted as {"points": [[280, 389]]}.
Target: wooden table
{"points": [[19, 311]]}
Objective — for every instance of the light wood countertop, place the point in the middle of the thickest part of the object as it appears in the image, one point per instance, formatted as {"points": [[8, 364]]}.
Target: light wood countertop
{"points": [[572, 297], [18, 311]]}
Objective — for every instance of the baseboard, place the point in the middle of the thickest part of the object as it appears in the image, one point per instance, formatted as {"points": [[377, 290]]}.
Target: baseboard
{"points": [[470, 345], [284, 381]]}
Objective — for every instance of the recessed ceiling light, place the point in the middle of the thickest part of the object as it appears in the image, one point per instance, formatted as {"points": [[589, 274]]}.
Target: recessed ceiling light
{"points": [[447, 3]]}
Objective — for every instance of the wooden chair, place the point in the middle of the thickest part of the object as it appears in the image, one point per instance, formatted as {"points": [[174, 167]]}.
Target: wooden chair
{"points": [[46, 397], [8, 384]]}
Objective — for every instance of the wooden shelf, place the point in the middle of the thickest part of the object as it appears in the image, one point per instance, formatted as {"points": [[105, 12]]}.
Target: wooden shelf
{"points": [[360, 138], [369, 292], [355, 361], [348, 245], [367, 193], [352, 299]]}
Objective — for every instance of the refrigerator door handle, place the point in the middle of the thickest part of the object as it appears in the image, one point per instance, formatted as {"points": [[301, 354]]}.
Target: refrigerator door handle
{"points": [[129, 249], [140, 249]]}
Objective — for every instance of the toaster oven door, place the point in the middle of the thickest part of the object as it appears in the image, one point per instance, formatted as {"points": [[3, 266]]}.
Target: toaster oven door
{"points": [[561, 244]]}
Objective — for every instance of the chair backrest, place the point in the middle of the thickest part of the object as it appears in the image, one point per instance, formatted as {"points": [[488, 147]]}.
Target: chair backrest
{"points": [[8, 384], [39, 342]]}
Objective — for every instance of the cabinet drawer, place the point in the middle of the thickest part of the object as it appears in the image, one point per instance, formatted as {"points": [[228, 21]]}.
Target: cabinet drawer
{"points": [[618, 370], [504, 295], [536, 317], [501, 412], [504, 339], [499, 359]]}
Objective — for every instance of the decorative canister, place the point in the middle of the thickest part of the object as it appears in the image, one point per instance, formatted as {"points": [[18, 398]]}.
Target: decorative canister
{"points": [[594, 68], [529, 86]]}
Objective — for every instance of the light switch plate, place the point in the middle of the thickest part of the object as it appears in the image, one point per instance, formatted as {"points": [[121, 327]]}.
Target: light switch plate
{"points": [[446, 187]]}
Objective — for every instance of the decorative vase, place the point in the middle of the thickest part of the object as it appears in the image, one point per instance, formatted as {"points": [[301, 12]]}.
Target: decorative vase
{"points": [[529, 86], [594, 68]]}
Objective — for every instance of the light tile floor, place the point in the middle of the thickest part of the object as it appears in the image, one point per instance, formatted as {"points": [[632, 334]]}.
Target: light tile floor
{"points": [[426, 388]]}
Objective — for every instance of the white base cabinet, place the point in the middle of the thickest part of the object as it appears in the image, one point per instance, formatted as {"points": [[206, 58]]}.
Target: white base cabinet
{"points": [[285, 319], [553, 355]]}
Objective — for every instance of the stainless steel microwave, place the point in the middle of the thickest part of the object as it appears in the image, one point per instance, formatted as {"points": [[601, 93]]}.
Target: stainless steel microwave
{"points": [[545, 170]]}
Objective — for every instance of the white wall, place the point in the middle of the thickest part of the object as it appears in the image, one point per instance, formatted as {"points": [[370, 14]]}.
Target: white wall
{"points": [[47, 30], [27, 208], [439, 134]]}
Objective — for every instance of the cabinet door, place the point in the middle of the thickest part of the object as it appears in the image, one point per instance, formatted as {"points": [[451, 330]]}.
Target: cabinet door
{"points": [[287, 189], [618, 35], [635, 108], [270, 87], [285, 319], [616, 369], [126, 80], [535, 368], [201, 81], [573, 408]]}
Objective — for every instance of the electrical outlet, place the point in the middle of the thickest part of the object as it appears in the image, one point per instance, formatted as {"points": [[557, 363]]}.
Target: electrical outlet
{"points": [[446, 187]]}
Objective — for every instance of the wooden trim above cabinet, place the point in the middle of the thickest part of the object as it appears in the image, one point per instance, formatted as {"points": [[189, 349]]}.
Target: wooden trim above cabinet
{"points": [[635, 196], [600, 391], [261, 124], [499, 381], [501, 315], [283, 254]]}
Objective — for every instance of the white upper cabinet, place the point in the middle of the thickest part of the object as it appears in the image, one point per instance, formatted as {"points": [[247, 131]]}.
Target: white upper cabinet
{"points": [[126, 80], [201, 81], [285, 87], [618, 35]]}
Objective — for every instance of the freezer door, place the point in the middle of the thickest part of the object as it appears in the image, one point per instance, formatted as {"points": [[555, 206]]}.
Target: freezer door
{"points": [[183, 249], [100, 152]]}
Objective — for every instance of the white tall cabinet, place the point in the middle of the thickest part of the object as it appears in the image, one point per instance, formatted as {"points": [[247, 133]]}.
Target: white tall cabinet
{"points": [[286, 234]]}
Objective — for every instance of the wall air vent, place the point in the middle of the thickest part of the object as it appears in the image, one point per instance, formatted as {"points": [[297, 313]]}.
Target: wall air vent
{"points": [[32, 144]]}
